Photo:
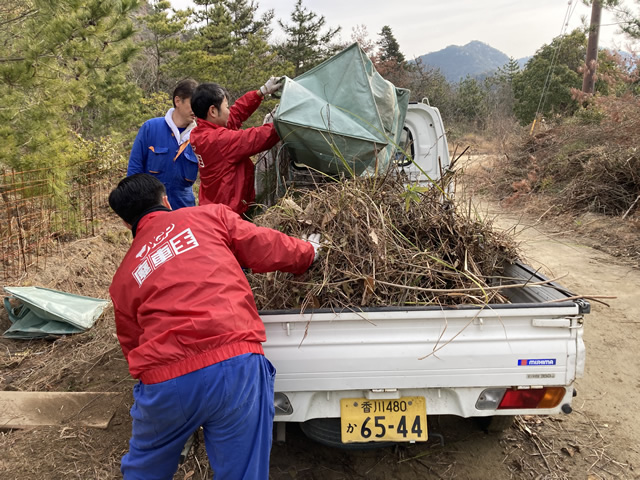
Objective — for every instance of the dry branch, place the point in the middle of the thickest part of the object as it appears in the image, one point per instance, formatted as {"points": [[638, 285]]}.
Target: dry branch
{"points": [[386, 244]]}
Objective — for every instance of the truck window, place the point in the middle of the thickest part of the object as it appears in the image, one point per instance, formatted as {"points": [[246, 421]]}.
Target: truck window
{"points": [[405, 151]]}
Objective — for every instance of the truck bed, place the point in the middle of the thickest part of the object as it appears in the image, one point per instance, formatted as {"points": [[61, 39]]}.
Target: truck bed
{"points": [[450, 355]]}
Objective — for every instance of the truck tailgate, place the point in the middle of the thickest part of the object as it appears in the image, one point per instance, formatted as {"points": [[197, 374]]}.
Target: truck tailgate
{"points": [[386, 348]]}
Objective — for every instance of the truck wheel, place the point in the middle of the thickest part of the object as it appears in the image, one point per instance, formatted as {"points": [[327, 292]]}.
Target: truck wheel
{"points": [[327, 432], [496, 424]]}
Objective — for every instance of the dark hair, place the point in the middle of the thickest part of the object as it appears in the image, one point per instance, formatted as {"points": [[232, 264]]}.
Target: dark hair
{"points": [[135, 195], [184, 89], [205, 95]]}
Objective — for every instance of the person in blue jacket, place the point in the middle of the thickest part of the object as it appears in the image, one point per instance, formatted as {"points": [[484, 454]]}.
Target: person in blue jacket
{"points": [[162, 148]]}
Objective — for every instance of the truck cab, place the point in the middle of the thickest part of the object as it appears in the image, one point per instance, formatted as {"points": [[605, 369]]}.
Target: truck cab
{"points": [[423, 153]]}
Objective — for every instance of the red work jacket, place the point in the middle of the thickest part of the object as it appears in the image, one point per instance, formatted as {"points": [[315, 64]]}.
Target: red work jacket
{"points": [[181, 299], [226, 170]]}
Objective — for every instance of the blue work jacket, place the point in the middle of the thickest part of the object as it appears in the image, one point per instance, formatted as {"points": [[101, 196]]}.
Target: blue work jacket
{"points": [[157, 151]]}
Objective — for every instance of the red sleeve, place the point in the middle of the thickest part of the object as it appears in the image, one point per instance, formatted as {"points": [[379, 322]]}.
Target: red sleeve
{"points": [[266, 250], [243, 108], [237, 145]]}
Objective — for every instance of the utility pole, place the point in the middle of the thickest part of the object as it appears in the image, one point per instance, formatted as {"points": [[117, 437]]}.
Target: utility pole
{"points": [[589, 78]]}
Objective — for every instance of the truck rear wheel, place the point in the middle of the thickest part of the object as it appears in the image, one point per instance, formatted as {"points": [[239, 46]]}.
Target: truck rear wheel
{"points": [[327, 432], [496, 424]]}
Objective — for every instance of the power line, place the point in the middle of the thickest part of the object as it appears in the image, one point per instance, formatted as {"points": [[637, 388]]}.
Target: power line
{"points": [[571, 7]]}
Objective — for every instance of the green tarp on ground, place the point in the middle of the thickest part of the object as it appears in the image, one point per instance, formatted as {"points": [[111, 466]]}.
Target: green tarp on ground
{"points": [[43, 312], [342, 116]]}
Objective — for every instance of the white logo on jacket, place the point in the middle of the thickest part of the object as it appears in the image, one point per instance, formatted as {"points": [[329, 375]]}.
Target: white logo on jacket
{"points": [[154, 257], [156, 240], [200, 161]]}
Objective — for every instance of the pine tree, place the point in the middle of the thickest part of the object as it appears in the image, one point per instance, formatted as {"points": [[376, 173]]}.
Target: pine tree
{"points": [[57, 59], [390, 62], [306, 45], [201, 15], [508, 71], [227, 24], [243, 14], [164, 32], [389, 47], [471, 103], [229, 46], [500, 97], [628, 20], [215, 36]]}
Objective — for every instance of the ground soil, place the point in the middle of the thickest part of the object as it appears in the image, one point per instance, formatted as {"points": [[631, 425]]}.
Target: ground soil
{"points": [[598, 440]]}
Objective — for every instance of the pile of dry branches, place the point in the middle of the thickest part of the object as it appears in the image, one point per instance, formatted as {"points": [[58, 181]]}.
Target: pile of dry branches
{"points": [[587, 163], [385, 244]]}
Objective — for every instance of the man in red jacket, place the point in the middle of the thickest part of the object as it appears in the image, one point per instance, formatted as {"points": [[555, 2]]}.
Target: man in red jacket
{"points": [[189, 328], [223, 150]]}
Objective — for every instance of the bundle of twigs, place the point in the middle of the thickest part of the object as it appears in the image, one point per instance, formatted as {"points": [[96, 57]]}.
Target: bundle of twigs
{"points": [[586, 163], [385, 244]]}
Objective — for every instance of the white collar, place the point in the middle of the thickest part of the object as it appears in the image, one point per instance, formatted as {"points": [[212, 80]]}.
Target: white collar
{"points": [[180, 137]]}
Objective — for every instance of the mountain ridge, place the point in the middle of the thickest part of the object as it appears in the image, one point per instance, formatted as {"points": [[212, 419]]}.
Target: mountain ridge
{"points": [[475, 59]]}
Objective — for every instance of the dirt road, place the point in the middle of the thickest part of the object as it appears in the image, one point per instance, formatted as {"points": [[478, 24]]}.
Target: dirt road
{"points": [[609, 393]]}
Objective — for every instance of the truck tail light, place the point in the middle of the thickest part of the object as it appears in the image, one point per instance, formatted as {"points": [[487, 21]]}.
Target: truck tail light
{"points": [[546, 397], [506, 399]]}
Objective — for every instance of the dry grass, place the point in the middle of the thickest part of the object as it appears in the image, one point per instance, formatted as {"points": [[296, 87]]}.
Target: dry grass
{"points": [[69, 363], [90, 361], [543, 447], [588, 163], [385, 244]]}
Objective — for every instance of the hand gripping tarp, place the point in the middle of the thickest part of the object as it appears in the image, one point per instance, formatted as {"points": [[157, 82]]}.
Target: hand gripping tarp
{"points": [[43, 312], [342, 116]]}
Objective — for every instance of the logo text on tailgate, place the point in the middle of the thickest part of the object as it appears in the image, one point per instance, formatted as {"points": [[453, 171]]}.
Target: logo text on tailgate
{"points": [[536, 362]]}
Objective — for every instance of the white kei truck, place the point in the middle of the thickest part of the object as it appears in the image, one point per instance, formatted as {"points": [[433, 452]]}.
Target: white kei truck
{"points": [[354, 377]]}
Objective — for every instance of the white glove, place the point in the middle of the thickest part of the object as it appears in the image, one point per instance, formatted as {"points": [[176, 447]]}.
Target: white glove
{"points": [[314, 240], [268, 118], [271, 86]]}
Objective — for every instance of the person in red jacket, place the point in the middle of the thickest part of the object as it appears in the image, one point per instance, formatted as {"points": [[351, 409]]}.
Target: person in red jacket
{"points": [[189, 329], [224, 150]]}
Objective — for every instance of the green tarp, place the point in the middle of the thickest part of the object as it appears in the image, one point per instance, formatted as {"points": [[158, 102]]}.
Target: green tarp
{"points": [[43, 312], [342, 116]]}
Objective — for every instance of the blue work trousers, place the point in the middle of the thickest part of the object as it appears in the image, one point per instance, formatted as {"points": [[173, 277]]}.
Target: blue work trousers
{"points": [[232, 401]]}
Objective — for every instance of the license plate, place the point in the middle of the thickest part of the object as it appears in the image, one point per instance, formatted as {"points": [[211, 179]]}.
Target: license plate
{"points": [[399, 420]]}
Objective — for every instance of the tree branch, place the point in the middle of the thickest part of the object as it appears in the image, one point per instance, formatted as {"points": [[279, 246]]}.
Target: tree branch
{"points": [[18, 18]]}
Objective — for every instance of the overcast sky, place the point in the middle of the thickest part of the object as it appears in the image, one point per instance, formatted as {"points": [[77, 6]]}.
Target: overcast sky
{"points": [[515, 27]]}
